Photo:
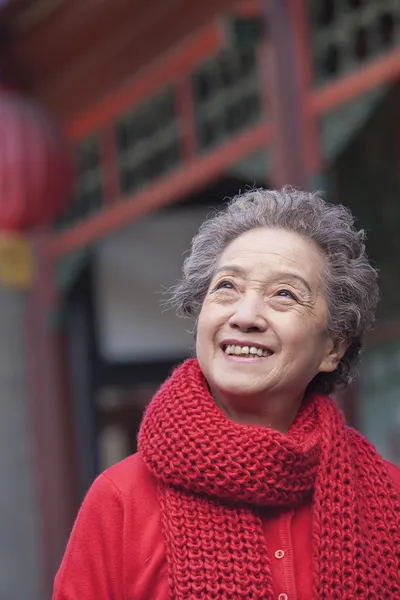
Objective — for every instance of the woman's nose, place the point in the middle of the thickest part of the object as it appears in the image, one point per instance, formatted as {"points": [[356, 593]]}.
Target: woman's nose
{"points": [[248, 315]]}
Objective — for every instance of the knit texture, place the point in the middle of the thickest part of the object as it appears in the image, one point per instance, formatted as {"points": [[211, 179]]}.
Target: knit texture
{"points": [[214, 475]]}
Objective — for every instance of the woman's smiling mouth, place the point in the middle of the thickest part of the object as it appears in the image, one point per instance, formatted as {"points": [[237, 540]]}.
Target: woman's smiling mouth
{"points": [[245, 350]]}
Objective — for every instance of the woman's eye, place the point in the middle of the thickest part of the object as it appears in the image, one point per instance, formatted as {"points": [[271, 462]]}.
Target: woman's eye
{"points": [[286, 294], [224, 285]]}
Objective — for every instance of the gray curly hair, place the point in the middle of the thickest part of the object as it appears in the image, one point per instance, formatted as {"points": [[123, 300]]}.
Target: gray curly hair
{"points": [[351, 282]]}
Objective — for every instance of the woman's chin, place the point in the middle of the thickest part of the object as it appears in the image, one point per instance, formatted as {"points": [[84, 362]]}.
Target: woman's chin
{"points": [[240, 389], [242, 379]]}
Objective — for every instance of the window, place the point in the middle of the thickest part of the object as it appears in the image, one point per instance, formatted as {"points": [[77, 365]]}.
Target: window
{"points": [[227, 93], [346, 33], [88, 197], [148, 142]]}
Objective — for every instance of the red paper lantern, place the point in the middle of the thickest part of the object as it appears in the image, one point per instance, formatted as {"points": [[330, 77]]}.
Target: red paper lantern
{"points": [[36, 174]]}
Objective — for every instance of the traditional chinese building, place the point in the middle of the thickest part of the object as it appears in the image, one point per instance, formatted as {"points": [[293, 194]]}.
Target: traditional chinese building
{"points": [[170, 107]]}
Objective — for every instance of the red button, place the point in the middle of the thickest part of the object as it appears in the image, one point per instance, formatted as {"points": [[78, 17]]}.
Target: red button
{"points": [[280, 554]]}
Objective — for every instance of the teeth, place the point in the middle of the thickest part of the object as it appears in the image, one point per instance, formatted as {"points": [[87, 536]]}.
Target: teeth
{"points": [[246, 350]]}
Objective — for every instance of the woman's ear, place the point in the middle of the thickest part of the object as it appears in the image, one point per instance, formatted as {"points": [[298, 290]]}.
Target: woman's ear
{"points": [[336, 351]]}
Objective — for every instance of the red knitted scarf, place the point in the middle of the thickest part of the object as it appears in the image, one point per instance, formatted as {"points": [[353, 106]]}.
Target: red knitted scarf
{"points": [[214, 474]]}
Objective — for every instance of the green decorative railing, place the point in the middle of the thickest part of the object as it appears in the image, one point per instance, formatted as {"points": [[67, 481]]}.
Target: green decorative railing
{"points": [[148, 141], [88, 197], [227, 95], [227, 99], [226, 92], [347, 33]]}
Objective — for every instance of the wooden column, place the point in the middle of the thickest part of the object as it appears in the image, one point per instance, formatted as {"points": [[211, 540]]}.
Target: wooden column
{"points": [[35, 467], [187, 120], [52, 452], [21, 571], [288, 80]]}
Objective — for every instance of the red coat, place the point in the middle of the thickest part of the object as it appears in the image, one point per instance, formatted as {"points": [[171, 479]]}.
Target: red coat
{"points": [[116, 550]]}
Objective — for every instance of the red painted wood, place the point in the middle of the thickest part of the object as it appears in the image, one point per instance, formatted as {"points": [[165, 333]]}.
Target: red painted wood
{"points": [[141, 37], [187, 120], [384, 333], [298, 13], [284, 95], [263, 67], [55, 475], [248, 9], [380, 71], [95, 53], [109, 164], [186, 180], [87, 23], [397, 122], [172, 68]]}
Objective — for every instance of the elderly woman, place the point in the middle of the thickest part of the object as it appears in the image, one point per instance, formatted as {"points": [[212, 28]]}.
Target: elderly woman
{"points": [[248, 484]]}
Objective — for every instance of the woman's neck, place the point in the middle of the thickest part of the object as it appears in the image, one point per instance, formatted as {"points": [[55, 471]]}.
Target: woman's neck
{"points": [[274, 413]]}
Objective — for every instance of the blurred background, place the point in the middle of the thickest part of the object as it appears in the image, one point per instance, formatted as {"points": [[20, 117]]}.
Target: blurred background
{"points": [[122, 124]]}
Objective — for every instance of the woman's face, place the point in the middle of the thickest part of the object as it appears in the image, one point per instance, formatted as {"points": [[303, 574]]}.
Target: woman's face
{"points": [[262, 329]]}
